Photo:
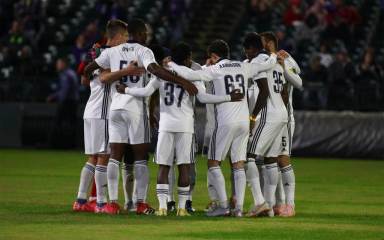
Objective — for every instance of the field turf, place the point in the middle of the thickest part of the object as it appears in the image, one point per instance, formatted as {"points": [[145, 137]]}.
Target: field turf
{"points": [[336, 199]]}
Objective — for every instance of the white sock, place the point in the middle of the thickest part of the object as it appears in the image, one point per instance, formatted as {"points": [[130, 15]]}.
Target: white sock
{"points": [[86, 178], [253, 179], [127, 173], [211, 189], [270, 183], [113, 170], [240, 184], [101, 183], [171, 182], [218, 182], [288, 178], [142, 179], [280, 196], [183, 193], [162, 192]]}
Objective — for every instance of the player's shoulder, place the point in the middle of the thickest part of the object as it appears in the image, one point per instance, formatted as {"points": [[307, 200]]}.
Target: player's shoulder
{"points": [[195, 66], [262, 56]]}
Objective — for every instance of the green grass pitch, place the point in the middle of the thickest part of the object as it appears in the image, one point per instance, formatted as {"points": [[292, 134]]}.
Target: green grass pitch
{"points": [[335, 199]]}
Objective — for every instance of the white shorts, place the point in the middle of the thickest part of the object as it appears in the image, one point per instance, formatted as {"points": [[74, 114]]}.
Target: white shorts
{"points": [[96, 136], [286, 139], [265, 139], [227, 137], [170, 144], [128, 127]]}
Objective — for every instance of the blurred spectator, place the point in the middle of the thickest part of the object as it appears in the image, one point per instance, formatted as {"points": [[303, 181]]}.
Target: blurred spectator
{"points": [[260, 10], [79, 50], [326, 58], [67, 97], [315, 89], [293, 13], [284, 43]]}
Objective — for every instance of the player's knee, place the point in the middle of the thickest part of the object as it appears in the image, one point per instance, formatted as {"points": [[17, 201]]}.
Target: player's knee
{"points": [[283, 161], [213, 163], [238, 165], [162, 175], [270, 160]]}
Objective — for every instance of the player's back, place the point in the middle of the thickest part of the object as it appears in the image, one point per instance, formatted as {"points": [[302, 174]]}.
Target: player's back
{"points": [[276, 110], [228, 76], [120, 57]]}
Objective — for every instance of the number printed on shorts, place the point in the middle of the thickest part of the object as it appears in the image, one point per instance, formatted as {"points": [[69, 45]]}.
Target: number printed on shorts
{"points": [[132, 79], [232, 83], [278, 82], [170, 94]]}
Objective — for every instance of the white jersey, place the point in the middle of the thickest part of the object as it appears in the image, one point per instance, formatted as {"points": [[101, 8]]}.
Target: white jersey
{"points": [[291, 73], [119, 57], [176, 106], [99, 100], [227, 76], [275, 110]]}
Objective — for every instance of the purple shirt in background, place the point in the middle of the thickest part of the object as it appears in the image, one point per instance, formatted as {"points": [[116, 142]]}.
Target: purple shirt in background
{"points": [[68, 88]]}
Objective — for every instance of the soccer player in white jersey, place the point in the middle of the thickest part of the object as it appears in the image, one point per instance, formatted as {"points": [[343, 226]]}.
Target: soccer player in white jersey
{"points": [[176, 128], [231, 119], [257, 100], [128, 122], [96, 125], [287, 181], [266, 135]]}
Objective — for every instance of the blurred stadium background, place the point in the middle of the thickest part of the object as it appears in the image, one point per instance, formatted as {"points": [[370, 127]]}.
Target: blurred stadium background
{"points": [[339, 45]]}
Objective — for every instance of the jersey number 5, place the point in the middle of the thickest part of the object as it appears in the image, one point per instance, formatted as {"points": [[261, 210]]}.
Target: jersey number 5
{"points": [[170, 94], [132, 79]]}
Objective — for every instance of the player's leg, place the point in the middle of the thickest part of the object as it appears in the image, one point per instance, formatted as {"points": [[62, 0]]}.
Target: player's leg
{"points": [[192, 175], [118, 137], [171, 205], [238, 156], [128, 178], [184, 146], [257, 143], [220, 142], [280, 195], [164, 158], [88, 170], [139, 137]]}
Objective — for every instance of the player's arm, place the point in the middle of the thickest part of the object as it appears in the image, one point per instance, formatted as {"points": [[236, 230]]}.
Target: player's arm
{"points": [[192, 75], [293, 78], [205, 97], [262, 97], [130, 70], [153, 103], [90, 68], [285, 95], [166, 75], [256, 68], [139, 92]]}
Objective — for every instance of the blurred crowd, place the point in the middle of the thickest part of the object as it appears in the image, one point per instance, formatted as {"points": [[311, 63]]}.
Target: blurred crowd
{"points": [[331, 40], [335, 42]]}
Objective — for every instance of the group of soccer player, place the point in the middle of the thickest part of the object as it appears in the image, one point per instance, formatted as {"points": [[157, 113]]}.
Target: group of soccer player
{"points": [[249, 120]]}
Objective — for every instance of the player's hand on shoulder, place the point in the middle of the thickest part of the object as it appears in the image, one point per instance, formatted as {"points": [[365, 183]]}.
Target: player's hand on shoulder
{"points": [[236, 95], [282, 54], [134, 70], [280, 60], [120, 87]]}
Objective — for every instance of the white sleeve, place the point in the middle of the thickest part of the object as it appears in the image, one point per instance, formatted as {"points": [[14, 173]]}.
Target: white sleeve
{"points": [[294, 64], [189, 74], [103, 59], [292, 77], [145, 91], [205, 97], [256, 68], [146, 57]]}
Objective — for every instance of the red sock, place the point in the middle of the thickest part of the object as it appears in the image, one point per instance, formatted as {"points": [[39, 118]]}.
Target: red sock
{"points": [[93, 191]]}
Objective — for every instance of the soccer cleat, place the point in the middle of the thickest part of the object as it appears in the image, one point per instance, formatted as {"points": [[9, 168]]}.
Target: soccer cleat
{"points": [[89, 206], [112, 208], [181, 212], [144, 209], [77, 207], [188, 206], [236, 213], [171, 206], [161, 212], [279, 209], [211, 206], [130, 207], [218, 211], [289, 211], [100, 208], [259, 210]]}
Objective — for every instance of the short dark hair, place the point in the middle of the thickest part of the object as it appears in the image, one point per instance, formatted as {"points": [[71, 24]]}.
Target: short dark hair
{"points": [[180, 52], [136, 26], [115, 26], [270, 36], [159, 52], [252, 39], [219, 47]]}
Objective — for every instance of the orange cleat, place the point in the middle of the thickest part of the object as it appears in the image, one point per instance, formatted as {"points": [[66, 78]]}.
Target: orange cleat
{"points": [[279, 209], [144, 209], [289, 211]]}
